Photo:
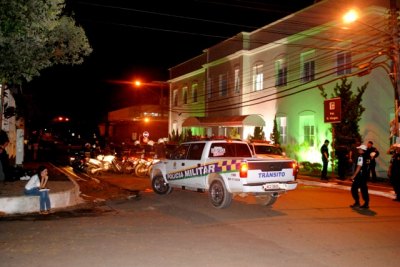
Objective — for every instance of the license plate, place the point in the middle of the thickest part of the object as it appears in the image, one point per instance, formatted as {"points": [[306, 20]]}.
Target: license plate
{"points": [[271, 186]]}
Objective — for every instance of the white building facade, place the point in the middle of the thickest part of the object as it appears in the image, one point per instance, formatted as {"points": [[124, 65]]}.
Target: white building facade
{"points": [[274, 74]]}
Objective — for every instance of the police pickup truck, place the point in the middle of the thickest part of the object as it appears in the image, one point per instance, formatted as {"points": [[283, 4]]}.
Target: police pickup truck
{"points": [[224, 168]]}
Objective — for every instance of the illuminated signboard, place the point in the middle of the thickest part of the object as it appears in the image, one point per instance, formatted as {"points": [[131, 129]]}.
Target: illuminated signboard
{"points": [[333, 110]]}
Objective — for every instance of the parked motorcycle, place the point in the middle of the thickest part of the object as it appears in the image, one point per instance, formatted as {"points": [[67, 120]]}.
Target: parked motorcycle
{"points": [[78, 162], [103, 163], [144, 166], [129, 164]]}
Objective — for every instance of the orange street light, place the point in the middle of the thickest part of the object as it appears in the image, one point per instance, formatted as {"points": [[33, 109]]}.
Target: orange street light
{"points": [[352, 16], [160, 84]]}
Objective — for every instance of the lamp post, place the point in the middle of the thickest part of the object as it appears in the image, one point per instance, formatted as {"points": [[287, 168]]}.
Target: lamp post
{"points": [[393, 54], [161, 85]]}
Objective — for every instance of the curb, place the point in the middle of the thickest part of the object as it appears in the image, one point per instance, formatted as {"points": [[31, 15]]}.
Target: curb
{"points": [[390, 194]]}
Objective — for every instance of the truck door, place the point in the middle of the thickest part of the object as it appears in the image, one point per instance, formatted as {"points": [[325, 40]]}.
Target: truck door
{"points": [[182, 167]]}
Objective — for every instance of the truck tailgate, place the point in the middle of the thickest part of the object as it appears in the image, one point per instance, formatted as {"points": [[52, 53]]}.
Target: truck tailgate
{"points": [[264, 171]]}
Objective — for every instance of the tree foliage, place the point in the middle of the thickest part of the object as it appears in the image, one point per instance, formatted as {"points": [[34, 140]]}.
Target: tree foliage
{"points": [[34, 35], [275, 136], [347, 131], [258, 134]]}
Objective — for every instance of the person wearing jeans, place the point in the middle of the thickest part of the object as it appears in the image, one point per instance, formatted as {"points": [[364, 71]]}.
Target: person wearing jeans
{"points": [[36, 186]]}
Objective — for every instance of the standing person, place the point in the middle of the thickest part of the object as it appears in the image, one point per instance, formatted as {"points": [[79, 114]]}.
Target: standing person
{"points": [[360, 178], [342, 156], [353, 156], [394, 171], [5, 162], [373, 153], [36, 186], [325, 158]]}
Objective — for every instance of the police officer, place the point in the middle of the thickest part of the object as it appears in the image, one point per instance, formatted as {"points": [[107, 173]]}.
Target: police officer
{"points": [[325, 158], [360, 178], [373, 153], [394, 171]]}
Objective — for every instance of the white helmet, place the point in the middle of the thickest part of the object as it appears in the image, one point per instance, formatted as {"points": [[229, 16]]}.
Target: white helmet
{"points": [[160, 140], [136, 143], [150, 143]]}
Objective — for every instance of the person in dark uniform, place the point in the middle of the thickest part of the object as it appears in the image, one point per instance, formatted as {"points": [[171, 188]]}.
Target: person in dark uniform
{"points": [[373, 153], [325, 158], [342, 156], [394, 170], [360, 178]]}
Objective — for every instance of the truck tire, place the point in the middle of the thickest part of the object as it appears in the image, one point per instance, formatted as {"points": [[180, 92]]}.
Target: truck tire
{"points": [[219, 197], [266, 200], [160, 186]]}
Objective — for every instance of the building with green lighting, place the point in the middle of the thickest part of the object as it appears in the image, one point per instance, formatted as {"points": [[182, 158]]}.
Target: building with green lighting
{"points": [[274, 73]]}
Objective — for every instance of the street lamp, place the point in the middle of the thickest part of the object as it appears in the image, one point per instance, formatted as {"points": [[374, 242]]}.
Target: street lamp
{"points": [[160, 84], [352, 16]]}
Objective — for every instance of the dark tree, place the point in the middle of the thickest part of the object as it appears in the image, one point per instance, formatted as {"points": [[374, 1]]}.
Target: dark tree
{"points": [[347, 131], [275, 137]]}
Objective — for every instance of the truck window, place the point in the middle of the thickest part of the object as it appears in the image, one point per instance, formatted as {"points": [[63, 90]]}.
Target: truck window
{"points": [[229, 150], [220, 150], [181, 152], [242, 150], [196, 151]]}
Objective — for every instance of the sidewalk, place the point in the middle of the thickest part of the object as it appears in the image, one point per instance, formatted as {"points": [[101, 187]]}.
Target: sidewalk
{"points": [[380, 188]]}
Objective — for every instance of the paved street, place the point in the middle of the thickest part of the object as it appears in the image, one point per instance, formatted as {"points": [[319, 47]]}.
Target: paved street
{"points": [[311, 226]]}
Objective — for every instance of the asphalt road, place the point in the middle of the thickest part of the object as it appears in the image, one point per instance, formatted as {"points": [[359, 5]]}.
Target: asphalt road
{"points": [[311, 226]]}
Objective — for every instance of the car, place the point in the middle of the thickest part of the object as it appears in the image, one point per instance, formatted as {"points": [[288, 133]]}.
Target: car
{"points": [[264, 149]]}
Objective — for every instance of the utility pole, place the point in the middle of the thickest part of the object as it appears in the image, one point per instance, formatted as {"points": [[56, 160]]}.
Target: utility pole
{"points": [[394, 53], [2, 89]]}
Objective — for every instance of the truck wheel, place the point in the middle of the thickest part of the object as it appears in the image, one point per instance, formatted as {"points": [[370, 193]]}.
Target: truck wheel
{"points": [[160, 186], [266, 200], [218, 195]]}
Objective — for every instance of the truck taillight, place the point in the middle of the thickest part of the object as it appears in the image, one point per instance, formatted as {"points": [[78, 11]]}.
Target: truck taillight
{"points": [[243, 169], [295, 168]]}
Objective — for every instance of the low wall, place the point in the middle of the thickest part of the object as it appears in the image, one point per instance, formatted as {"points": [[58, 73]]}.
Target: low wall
{"points": [[28, 204]]}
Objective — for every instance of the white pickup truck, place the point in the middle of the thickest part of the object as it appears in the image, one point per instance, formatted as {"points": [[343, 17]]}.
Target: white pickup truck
{"points": [[224, 168]]}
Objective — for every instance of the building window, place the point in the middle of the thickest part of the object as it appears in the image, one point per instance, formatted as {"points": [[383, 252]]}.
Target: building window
{"points": [[194, 92], [175, 98], [209, 88], [343, 62], [237, 81], [223, 85], [307, 67], [307, 130], [282, 128], [185, 95], [281, 73], [258, 77]]}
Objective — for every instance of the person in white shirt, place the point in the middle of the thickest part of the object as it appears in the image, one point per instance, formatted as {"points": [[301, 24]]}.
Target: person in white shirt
{"points": [[360, 178], [36, 186]]}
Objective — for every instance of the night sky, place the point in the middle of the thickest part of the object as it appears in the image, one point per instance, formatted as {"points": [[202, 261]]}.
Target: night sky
{"points": [[141, 39]]}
